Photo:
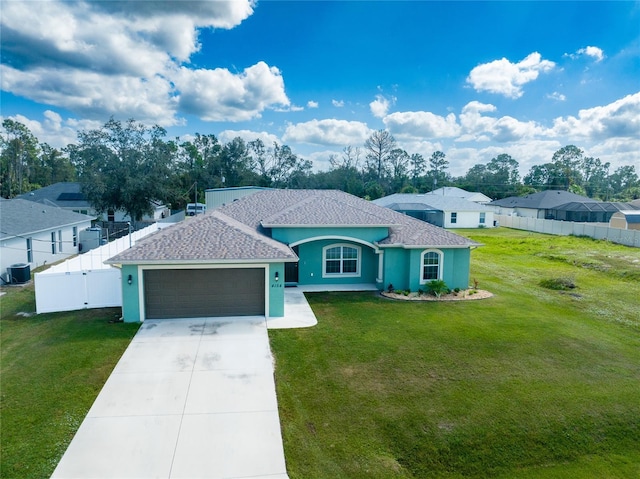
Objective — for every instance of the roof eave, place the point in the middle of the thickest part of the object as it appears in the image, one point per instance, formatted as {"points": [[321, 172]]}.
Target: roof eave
{"points": [[200, 261]]}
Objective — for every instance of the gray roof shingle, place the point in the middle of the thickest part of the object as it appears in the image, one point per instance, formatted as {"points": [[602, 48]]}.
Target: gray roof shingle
{"points": [[282, 208], [548, 199], [237, 232], [212, 237], [21, 217]]}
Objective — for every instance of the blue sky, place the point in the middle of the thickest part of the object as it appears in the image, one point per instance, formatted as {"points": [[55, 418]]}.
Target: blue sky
{"points": [[472, 79]]}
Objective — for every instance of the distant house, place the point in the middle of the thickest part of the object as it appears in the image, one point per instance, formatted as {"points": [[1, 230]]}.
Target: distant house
{"points": [[455, 192], [69, 196], [626, 220], [235, 260], [537, 205], [587, 212], [439, 210], [216, 197], [34, 233]]}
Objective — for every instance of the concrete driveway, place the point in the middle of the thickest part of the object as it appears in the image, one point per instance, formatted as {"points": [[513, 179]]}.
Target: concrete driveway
{"points": [[190, 398]]}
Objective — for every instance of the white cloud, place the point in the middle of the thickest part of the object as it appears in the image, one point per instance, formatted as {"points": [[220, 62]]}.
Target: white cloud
{"points": [[479, 127], [557, 96], [380, 106], [328, 132], [312, 104], [506, 78], [130, 59], [247, 135], [620, 119], [219, 95], [337, 103], [594, 52], [421, 124], [53, 129]]}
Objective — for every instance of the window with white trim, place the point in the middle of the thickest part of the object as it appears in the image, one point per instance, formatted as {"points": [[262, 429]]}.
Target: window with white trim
{"points": [[75, 236], [454, 218], [341, 260], [53, 242], [482, 218], [431, 261]]}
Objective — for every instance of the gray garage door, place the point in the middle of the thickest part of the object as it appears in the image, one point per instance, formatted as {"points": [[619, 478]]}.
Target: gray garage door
{"points": [[195, 293]]}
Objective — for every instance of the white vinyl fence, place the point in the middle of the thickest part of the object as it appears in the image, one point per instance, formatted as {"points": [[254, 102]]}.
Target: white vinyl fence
{"points": [[554, 227], [84, 281]]}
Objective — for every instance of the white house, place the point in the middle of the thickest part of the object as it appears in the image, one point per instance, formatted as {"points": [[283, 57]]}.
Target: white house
{"points": [[439, 210], [36, 234]]}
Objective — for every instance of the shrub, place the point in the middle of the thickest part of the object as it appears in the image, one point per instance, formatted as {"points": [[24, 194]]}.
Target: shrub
{"points": [[390, 288], [558, 284], [406, 292], [437, 287]]}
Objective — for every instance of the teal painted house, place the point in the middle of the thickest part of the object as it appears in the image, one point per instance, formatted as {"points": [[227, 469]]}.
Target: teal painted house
{"points": [[237, 260]]}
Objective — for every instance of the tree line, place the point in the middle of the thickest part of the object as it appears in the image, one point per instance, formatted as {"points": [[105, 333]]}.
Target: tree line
{"points": [[126, 165]]}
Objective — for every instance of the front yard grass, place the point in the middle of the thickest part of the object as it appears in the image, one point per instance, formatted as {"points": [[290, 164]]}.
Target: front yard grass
{"points": [[532, 383], [52, 368]]}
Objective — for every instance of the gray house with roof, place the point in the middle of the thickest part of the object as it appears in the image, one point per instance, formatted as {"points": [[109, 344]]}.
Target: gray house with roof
{"points": [[440, 210], [537, 205], [237, 259], [36, 234], [68, 195]]}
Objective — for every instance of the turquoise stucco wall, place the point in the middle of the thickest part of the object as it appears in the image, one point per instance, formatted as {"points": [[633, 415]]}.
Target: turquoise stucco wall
{"points": [[276, 290], [131, 294], [403, 268], [310, 264]]}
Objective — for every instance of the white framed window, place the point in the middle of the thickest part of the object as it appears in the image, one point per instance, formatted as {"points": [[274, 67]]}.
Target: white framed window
{"points": [[341, 260], [29, 250], [75, 236], [53, 242], [482, 218], [454, 218], [431, 265]]}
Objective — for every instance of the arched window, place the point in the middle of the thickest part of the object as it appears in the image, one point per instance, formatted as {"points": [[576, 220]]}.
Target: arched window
{"points": [[340, 260], [431, 261]]}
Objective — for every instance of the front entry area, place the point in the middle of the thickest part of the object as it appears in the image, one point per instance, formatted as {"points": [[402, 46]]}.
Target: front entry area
{"points": [[198, 293]]}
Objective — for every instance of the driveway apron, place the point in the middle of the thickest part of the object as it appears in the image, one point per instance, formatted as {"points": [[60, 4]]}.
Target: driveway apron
{"points": [[190, 398]]}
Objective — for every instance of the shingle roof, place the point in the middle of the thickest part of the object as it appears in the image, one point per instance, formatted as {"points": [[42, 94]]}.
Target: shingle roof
{"points": [[282, 208], [213, 237], [548, 199], [407, 202], [20, 217], [65, 194]]}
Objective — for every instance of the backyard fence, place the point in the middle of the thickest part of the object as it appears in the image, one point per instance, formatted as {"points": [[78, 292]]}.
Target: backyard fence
{"points": [[84, 281], [565, 228]]}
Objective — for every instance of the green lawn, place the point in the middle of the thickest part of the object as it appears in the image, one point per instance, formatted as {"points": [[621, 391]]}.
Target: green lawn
{"points": [[532, 383], [52, 368]]}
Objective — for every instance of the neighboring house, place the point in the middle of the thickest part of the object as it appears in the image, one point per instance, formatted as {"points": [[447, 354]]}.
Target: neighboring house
{"points": [[439, 210], [69, 196], [536, 205], [34, 234], [626, 220], [587, 212], [217, 197], [236, 260], [455, 192]]}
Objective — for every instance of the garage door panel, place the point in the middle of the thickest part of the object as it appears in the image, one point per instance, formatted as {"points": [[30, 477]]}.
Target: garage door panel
{"points": [[204, 292]]}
